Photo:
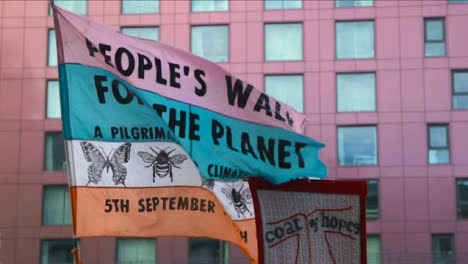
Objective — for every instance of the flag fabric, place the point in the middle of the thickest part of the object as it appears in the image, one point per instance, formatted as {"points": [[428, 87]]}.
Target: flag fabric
{"points": [[310, 221], [158, 140]]}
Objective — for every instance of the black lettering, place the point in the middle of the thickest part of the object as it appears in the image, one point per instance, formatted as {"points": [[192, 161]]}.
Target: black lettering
{"points": [[149, 208], [283, 154], [194, 127], [211, 206], [159, 78], [104, 48], [279, 232], [141, 203], [278, 111], [91, 48], [269, 237], [217, 131], [194, 204], [263, 102], [183, 203], [200, 91], [144, 63], [202, 205], [155, 203], [97, 132], [108, 206], [160, 109], [130, 59], [173, 121], [269, 152], [298, 146], [243, 235], [245, 145], [164, 199], [118, 96], [229, 139], [172, 203], [238, 92], [100, 89], [290, 230], [333, 222], [174, 75], [296, 223]]}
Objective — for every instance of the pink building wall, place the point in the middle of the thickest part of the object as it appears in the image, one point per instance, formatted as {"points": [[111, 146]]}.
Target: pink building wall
{"points": [[416, 199]]}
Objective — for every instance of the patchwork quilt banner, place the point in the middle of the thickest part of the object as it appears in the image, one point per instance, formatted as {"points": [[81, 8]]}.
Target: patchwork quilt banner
{"points": [[159, 140], [310, 221]]}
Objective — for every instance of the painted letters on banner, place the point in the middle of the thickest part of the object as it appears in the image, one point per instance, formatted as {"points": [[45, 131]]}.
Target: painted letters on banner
{"points": [[310, 221]]}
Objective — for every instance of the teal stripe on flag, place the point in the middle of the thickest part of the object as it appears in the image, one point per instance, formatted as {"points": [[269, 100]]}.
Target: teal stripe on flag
{"points": [[224, 148]]}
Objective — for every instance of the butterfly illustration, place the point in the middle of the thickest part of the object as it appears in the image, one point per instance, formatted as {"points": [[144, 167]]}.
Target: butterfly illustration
{"points": [[100, 161]]}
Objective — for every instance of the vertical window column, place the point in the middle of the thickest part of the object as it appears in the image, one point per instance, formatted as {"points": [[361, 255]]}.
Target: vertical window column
{"points": [[443, 249], [434, 37], [460, 89], [208, 251], [136, 250], [373, 249], [462, 198]]}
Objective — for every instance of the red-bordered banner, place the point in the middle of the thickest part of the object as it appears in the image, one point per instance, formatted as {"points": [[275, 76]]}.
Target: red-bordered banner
{"points": [[310, 221]]}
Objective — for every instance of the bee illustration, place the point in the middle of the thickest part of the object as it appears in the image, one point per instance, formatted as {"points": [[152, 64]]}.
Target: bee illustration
{"points": [[207, 183], [162, 163], [239, 198], [100, 161]]}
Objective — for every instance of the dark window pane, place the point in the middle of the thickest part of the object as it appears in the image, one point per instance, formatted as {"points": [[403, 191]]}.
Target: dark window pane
{"points": [[56, 251], [462, 198], [373, 249], [56, 208], [357, 145], [54, 152], [372, 210], [443, 251], [207, 251]]}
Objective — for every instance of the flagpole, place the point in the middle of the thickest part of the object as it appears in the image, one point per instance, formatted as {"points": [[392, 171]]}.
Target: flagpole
{"points": [[76, 241]]}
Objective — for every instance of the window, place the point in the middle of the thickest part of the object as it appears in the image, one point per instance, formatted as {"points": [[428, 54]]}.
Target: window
{"points": [[443, 249], [372, 210], [460, 89], [287, 89], [209, 5], [208, 251], [52, 58], [462, 198], [283, 4], [457, 1], [357, 145], [56, 251], [439, 148], [355, 92], [283, 42], [56, 208], [353, 3], [434, 37], [75, 6], [355, 39], [136, 251], [54, 152], [151, 33], [373, 249], [211, 42], [53, 100], [140, 6]]}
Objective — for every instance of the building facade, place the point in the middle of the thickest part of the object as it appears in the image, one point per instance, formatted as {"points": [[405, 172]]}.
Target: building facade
{"points": [[384, 84]]}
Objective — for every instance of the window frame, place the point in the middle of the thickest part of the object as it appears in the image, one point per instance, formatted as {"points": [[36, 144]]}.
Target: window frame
{"points": [[375, 91], [228, 40], [378, 236], [139, 26], [282, 2], [455, 3], [48, 47], [228, 9], [452, 236], [47, 99], [43, 204], [265, 75], [151, 13], [223, 245], [454, 93], [447, 138], [133, 238], [378, 200], [51, 13], [457, 197], [444, 37], [44, 169], [373, 35], [373, 5], [41, 240], [376, 145], [283, 23]]}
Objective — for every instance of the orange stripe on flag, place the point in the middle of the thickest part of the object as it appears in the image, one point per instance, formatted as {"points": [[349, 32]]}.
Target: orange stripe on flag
{"points": [[156, 212]]}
